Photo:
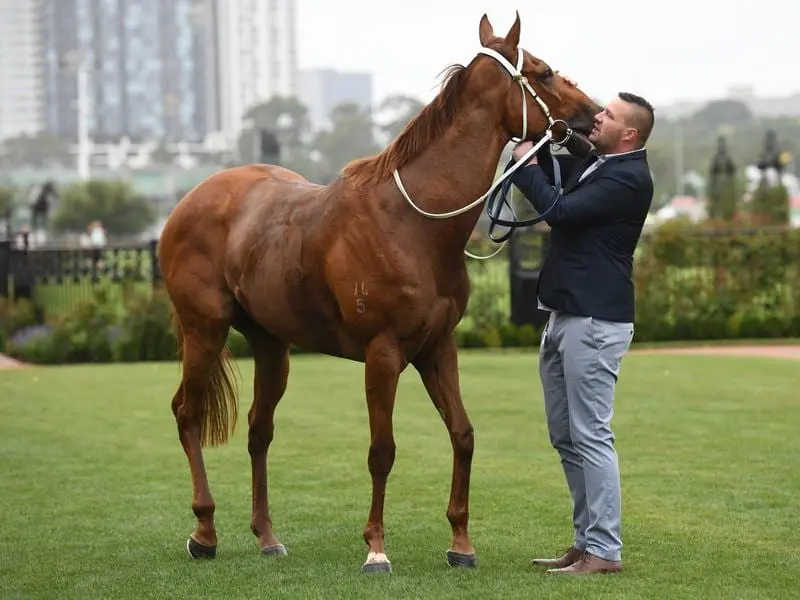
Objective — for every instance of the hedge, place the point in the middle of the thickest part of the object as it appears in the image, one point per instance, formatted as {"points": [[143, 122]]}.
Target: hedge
{"points": [[710, 282], [692, 283]]}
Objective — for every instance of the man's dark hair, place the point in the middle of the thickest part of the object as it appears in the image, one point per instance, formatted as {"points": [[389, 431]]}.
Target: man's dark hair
{"points": [[641, 119]]}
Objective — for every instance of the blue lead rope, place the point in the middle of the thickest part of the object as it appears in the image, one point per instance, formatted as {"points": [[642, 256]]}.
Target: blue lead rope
{"points": [[493, 208]]}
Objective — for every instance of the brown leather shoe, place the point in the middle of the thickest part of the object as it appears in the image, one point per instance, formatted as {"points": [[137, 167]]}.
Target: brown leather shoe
{"points": [[569, 557], [589, 564]]}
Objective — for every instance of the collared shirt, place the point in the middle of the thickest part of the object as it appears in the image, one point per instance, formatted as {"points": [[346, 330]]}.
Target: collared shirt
{"points": [[600, 160]]}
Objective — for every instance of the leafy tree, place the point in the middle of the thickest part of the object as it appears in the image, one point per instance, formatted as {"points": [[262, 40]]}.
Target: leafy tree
{"points": [[114, 203], [349, 137], [6, 200], [770, 205], [283, 116], [719, 113], [398, 109], [42, 150], [699, 132]]}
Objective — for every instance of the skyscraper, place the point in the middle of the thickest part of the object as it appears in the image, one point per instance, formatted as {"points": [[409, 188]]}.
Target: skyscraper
{"points": [[257, 56], [21, 94], [178, 70], [323, 89], [148, 65]]}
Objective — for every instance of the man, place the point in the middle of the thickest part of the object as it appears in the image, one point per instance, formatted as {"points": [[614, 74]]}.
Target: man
{"points": [[586, 284]]}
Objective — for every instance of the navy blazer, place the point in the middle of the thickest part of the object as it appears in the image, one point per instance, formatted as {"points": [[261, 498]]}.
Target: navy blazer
{"points": [[595, 227]]}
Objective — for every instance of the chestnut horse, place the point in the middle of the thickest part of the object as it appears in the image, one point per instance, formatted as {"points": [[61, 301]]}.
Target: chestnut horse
{"points": [[349, 270]]}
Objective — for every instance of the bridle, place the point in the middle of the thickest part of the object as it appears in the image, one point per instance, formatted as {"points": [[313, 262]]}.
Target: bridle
{"points": [[524, 84]]}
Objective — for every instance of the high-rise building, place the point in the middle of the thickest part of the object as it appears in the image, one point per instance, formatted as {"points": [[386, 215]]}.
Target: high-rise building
{"points": [[149, 67], [323, 89], [179, 70], [21, 96], [257, 56]]}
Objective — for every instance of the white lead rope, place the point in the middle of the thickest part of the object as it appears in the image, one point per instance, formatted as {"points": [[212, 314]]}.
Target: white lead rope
{"points": [[459, 211], [516, 74]]}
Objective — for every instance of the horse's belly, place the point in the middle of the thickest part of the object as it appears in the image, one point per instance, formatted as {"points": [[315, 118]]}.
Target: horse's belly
{"points": [[288, 302]]}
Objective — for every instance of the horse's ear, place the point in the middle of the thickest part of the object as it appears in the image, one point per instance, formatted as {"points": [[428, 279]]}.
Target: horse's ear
{"points": [[512, 37], [485, 30]]}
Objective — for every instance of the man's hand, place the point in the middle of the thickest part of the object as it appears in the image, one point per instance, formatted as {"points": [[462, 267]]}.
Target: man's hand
{"points": [[521, 149]]}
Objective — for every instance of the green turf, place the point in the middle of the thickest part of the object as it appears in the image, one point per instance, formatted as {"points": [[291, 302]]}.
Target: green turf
{"points": [[96, 493]]}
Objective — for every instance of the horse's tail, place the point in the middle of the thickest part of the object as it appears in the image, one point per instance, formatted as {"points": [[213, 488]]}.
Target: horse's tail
{"points": [[218, 407]]}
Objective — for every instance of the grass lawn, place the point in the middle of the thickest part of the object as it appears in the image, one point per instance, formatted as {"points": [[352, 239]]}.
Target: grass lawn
{"points": [[96, 493]]}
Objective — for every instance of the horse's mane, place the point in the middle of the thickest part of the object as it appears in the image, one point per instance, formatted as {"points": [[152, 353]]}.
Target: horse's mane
{"points": [[420, 132]]}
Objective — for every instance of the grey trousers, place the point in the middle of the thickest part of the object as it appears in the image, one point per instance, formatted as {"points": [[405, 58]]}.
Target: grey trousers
{"points": [[579, 362]]}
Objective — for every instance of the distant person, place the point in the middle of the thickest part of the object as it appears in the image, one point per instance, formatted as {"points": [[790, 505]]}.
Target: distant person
{"points": [[97, 235], [586, 284]]}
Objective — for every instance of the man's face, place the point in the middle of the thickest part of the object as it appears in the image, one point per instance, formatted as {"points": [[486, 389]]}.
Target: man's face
{"points": [[610, 126]]}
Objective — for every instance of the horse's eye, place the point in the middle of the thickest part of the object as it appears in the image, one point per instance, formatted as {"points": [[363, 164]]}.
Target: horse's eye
{"points": [[547, 75]]}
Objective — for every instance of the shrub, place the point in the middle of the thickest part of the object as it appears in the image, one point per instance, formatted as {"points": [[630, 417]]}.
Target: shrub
{"points": [[145, 333], [692, 282], [701, 282], [37, 344], [14, 316]]}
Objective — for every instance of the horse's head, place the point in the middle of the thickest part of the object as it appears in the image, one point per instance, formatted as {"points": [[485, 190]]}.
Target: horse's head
{"points": [[511, 73]]}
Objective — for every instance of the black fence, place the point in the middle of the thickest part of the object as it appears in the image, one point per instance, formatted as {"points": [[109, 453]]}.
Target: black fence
{"points": [[57, 279]]}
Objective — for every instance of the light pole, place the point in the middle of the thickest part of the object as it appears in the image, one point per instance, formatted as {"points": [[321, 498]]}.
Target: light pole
{"points": [[75, 61], [255, 146], [84, 143]]}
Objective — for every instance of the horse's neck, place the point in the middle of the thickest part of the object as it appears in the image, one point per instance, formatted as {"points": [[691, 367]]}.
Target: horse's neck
{"points": [[451, 173]]}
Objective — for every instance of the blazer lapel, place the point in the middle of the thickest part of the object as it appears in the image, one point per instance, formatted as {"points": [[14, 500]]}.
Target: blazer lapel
{"points": [[579, 169], [574, 179], [590, 176]]}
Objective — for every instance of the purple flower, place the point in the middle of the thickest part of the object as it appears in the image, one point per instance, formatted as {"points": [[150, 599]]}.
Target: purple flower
{"points": [[31, 333]]}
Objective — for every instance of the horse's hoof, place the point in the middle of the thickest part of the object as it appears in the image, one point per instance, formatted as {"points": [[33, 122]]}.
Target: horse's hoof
{"points": [[276, 550], [376, 567], [456, 559], [376, 563], [198, 550]]}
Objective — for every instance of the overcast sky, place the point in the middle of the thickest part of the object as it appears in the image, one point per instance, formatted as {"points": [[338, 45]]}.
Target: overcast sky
{"points": [[665, 50]]}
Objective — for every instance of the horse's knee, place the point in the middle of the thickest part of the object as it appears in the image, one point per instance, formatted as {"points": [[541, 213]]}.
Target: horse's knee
{"points": [[381, 458], [259, 438], [464, 442]]}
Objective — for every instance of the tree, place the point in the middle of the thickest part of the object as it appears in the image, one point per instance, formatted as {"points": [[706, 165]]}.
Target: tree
{"points": [[770, 204], [698, 142], [349, 137], [40, 150], [114, 203], [721, 190], [397, 111], [283, 116], [718, 113], [730, 198], [6, 201]]}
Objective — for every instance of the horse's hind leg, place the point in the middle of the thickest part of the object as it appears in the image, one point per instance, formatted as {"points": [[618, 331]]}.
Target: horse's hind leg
{"points": [[205, 403], [271, 357], [439, 372]]}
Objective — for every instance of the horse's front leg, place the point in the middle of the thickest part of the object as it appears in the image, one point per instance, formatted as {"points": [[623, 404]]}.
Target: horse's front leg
{"points": [[439, 371], [383, 366]]}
